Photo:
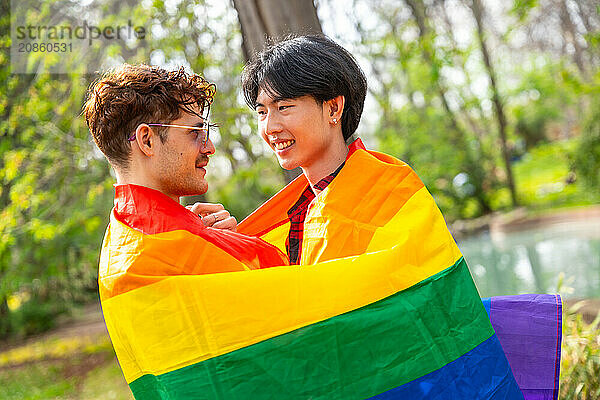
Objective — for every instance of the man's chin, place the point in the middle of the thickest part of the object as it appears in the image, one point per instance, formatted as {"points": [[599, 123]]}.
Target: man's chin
{"points": [[197, 190], [287, 164]]}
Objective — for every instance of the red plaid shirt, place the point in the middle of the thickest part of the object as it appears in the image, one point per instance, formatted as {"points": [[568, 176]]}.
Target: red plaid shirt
{"points": [[297, 215]]}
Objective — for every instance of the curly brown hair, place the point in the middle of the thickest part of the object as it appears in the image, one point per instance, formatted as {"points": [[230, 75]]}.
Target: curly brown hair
{"points": [[129, 95]]}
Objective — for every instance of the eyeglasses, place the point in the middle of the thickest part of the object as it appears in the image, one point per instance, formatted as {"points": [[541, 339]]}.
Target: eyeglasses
{"points": [[204, 131]]}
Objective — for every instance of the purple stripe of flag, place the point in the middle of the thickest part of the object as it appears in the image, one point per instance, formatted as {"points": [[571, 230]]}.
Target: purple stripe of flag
{"points": [[529, 328]]}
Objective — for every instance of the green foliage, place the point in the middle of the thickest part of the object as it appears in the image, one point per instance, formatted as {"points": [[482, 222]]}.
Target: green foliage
{"points": [[54, 190], [540, 99], [580, 363], [587, 156], [37, 316], [522, 8]]}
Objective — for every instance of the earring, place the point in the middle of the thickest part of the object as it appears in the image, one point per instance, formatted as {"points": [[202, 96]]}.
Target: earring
{"points": [[335, 121]]}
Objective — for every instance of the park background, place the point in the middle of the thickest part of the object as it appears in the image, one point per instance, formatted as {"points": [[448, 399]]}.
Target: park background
{"points": [[495, 104]]}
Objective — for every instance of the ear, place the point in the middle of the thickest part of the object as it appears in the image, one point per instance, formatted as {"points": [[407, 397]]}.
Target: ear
{"points": [[335, 108], [146, 139]]}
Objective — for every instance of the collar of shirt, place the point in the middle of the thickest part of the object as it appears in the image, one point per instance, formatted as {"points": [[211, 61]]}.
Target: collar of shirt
{"points": [[309, 194], [297, 215]]}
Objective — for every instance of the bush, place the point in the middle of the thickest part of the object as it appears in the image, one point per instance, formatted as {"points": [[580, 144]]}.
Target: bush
{"points": [[587, 156], [35, 316], [580, 360]]}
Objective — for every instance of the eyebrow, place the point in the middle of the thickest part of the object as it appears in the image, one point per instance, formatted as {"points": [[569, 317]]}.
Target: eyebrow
{"points": [[274, 100]]}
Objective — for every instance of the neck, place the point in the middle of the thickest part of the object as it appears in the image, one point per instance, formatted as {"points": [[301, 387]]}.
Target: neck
{"points": [[125, 178], [330, 161]]}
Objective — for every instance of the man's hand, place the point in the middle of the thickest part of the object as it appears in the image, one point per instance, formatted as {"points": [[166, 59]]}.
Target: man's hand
{"points": [[214, 215]]}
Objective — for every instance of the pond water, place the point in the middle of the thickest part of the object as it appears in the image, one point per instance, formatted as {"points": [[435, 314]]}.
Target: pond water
{"points": [[530, 261]]}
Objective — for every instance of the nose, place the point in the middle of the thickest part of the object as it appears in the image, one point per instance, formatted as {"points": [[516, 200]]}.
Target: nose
{"points": [[271, 124], [208, 148]]}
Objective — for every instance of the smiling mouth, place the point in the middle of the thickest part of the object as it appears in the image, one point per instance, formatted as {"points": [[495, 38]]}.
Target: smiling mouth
{"points": [[283, 145]]}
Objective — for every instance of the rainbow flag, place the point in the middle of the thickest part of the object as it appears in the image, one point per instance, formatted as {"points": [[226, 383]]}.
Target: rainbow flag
{"points": [[385, 306]]}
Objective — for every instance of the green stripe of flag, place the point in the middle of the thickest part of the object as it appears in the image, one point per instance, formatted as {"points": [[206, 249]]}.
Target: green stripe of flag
{"points": [[356, 355]]}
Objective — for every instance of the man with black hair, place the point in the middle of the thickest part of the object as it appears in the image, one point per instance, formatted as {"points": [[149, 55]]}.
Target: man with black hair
{"points": [[308, 93], [416, 326]]}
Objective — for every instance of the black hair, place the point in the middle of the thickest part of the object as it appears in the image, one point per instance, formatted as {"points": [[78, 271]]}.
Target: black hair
{"points": [[311, 65]]}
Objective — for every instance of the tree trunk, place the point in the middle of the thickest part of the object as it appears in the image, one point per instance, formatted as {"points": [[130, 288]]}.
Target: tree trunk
{"points": [[5, 321], [264, 20], [477, 9], [570, 34]]}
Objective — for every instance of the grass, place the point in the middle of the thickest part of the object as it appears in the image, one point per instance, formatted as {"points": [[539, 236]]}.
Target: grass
{"points": [[95, 387], [541, 178], [63, 368], [35, 381], [55, 348], [54, 380], [580, 362]]}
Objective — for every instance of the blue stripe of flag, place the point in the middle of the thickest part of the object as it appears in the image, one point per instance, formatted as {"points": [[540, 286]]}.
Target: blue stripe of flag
{"points": [[482, 373]]}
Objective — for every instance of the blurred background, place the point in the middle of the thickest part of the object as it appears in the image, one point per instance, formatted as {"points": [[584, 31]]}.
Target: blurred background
{"points": [[495, 104]]}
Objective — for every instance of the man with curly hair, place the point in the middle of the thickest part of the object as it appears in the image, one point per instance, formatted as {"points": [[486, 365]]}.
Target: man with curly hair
{"points": [[152, 126]]}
